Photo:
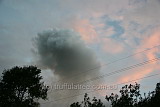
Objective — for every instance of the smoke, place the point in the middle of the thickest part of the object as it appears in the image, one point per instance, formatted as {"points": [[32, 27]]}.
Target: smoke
{"points": [[64, 52]]}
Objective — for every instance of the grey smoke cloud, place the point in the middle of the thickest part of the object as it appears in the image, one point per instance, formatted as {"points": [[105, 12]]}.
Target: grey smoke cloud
{"points": [[64, 51]]}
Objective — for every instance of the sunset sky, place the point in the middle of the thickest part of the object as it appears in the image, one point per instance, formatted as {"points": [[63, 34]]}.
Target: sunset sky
{"points": [[111, 29]]}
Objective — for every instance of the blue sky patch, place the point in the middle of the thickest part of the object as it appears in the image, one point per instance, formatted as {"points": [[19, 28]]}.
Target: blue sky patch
{"points": [[119, 30]]}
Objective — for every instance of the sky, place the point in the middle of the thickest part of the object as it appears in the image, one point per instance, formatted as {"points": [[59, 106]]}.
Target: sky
{"points": [[100, 30]]}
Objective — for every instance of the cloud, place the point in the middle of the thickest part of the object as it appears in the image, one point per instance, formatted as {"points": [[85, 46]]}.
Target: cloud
{"points": [[21, 20], [102, 31], [139, 73], [146, 43], [111, 46], [64, 52], [146, 14], [87, 31]]}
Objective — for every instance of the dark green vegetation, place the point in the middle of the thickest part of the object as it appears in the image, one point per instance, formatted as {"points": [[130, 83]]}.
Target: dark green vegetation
{"points": [[129, 97], [22, 87]]}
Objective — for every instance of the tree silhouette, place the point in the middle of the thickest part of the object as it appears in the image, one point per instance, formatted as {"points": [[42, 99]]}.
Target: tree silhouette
{"points": [[87, 103], [129, 97], [130, 94], [153, 98], [22, 87]]}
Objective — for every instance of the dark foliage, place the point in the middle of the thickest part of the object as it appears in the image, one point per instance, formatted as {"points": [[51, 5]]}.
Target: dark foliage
{"points": [[129, 97], [87, 103], [22, 87]]}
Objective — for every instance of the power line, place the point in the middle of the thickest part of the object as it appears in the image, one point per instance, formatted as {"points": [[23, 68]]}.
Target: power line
{"points": [[97, 67], [117, 71], [98, 90], [121, 70], [131, 67]]}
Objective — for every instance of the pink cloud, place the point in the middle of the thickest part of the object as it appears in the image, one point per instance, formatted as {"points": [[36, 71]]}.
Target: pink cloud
{"points": [[138, 73], [111, 46], [91, 36], [87, 31], [147, 42]]}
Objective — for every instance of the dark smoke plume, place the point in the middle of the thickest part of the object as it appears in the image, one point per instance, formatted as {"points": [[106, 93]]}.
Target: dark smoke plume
{"points": [[64, 52]]}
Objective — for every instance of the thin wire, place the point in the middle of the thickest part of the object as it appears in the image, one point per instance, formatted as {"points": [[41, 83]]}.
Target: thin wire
{"points": [[121, 70], [98, 90], [97, 67], [117, 71]]}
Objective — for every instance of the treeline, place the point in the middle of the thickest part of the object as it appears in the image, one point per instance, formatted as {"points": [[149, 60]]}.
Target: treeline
{"points": [[23, 87], [129, 96]]}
